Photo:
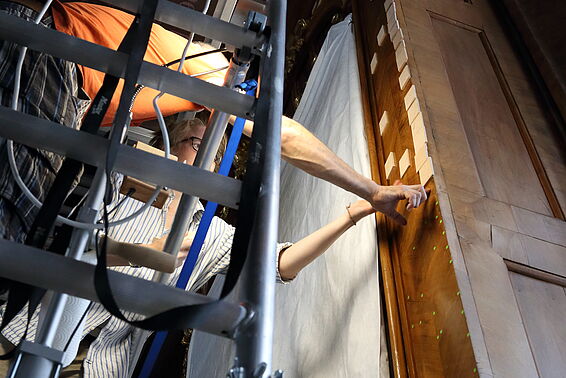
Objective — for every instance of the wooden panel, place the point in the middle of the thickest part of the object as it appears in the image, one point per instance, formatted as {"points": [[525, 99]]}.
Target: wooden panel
{"points": [[529, 251], [500, 318], [543, 306], [435, 337], [484, 221], [540, 226], [483, 209], [488, 120], [435, 315], [364, 51]]}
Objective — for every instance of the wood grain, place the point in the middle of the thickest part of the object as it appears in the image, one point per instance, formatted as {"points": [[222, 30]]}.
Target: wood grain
{"points": [[434, 332], [543, 306], [371, 120]]}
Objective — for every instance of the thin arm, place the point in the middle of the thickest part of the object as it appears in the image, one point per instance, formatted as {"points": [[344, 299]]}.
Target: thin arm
{"points": [[305, 251]]}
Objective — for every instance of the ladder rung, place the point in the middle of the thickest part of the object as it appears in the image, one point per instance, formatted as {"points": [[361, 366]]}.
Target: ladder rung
{"points": [[92, 149], [194, 21], [54, 272], [101, 58]]}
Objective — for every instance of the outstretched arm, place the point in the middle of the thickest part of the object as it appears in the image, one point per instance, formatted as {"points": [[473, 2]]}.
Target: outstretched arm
{"points": [[305, 251], [305, 151]]}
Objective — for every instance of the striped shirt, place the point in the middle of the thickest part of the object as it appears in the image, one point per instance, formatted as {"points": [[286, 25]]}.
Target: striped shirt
{"points": [[110, 354]]}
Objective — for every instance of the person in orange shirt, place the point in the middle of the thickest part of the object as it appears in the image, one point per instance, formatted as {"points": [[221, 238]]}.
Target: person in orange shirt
{"points": [[107, 26]]}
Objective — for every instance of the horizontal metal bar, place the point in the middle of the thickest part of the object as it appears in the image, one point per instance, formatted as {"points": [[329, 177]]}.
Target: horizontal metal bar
{"points": [[91, 149], [194, 21], [100, 58], [54, 272]]}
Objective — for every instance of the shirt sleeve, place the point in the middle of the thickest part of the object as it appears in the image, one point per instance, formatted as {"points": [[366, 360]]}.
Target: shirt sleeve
{"points": [[215, 254]]}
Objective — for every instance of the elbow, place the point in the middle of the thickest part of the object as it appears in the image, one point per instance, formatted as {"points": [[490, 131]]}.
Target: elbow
{"points": [[287, 275], [289, 137]]}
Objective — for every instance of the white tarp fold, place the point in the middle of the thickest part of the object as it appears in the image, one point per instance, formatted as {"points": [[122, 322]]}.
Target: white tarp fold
{"points": [[328, 319]]}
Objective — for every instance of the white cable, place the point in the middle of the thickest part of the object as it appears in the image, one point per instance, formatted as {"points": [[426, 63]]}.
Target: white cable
{"points": [[160, 119], [12, 159], [158, 113]]}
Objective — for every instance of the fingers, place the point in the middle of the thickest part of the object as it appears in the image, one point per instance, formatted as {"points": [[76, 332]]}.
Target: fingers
{"points": [[424, 193], [415, 195], [413, 198]]}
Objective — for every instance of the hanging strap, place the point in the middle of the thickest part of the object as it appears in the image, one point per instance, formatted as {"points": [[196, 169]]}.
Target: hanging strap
{"points": [[176, 318]]}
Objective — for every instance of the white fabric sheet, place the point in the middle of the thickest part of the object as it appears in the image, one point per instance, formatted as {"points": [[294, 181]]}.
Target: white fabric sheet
{"points": [[328, 319]]}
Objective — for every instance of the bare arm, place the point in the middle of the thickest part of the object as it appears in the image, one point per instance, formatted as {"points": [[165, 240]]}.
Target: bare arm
{"points": [[305, 151], [293, 259], [159, 243]]}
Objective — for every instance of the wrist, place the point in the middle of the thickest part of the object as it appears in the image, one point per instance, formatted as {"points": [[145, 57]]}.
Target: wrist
{"points": [[349, 214], [373, 189]]}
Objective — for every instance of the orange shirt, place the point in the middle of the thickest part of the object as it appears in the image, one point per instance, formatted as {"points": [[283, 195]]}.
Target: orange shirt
{"points": [[107, 26]]}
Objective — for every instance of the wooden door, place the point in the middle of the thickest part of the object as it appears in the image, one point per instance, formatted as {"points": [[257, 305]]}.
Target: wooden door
{"points": [[499, 176]]}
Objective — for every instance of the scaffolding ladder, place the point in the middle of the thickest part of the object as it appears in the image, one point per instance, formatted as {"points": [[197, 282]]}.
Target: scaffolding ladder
{"points": [[249, 322]]}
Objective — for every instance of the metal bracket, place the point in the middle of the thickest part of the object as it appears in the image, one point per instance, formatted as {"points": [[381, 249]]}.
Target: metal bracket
{"points": [[42, 351], [256, 22], [238, 371], [232, 334]]}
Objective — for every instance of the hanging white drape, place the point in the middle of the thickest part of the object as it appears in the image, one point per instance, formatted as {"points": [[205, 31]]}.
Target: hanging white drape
{"points": [[328, 319]]}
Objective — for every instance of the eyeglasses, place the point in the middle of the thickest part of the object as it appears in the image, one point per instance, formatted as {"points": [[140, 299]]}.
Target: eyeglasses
{"points": [[195, 142]]}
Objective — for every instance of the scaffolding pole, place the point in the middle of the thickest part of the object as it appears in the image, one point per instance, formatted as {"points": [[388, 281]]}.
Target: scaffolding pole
{"points": [[254, 341], [253, 334]]}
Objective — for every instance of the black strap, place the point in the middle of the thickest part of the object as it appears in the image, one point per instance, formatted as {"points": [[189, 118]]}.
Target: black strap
{"points": [[176, 318]]}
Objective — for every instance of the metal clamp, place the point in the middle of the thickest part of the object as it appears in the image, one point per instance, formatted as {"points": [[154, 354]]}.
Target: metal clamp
{"points": [[238, 371], [256, 22], [41, 350]]}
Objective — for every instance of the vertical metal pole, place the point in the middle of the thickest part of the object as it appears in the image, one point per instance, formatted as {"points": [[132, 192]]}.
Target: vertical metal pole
{"points": [[254, 343], [37, 366], [205, 157]]}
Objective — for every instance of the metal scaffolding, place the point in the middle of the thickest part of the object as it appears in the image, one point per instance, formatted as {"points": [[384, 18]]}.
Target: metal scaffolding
{"points": [[249, 321]]}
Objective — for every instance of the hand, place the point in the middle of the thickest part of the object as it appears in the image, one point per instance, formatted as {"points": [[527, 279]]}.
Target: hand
{"points": [[185, 247], [385, 199], [159, 244], [360, 209]]}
